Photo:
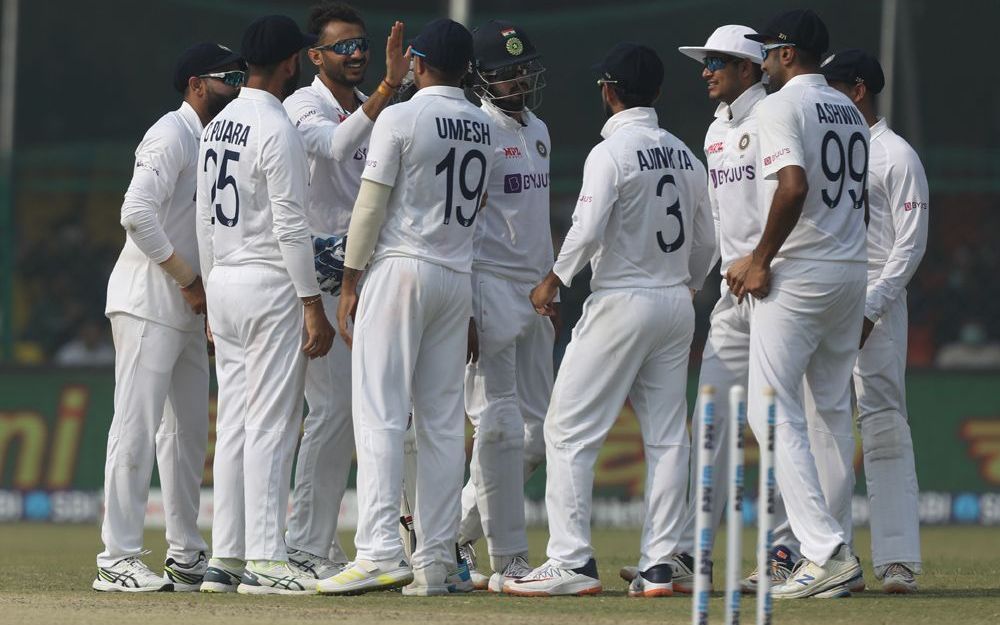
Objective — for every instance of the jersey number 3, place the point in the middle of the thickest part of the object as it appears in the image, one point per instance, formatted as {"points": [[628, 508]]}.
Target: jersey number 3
{"points": [[472, 193], [674, 210], [225, 180]]}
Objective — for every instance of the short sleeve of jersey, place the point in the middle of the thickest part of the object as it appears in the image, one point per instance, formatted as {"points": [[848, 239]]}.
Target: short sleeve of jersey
{"points": [[780, 131], [385, 148]]}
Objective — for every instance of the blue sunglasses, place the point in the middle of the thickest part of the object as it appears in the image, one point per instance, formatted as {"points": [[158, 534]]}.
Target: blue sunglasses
{"points": [[346, 47]]}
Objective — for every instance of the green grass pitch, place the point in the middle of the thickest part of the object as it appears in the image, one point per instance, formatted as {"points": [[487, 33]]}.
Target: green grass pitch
{"points": [[47, 569]]}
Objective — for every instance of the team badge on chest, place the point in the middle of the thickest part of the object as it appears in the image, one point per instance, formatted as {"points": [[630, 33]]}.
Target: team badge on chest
{"points": [[542, 150], [744, 141]]}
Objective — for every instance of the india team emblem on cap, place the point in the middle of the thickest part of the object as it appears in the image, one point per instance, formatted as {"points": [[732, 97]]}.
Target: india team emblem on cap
{"points": [[514, 46], [744, 141], [542, 150]]}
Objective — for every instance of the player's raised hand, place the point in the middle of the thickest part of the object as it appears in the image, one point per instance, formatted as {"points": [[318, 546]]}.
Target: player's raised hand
{"points": [[397, 63], [543, 294], [319, 332]]}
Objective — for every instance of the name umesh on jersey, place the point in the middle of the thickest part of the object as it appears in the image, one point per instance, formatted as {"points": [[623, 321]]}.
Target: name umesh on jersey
{"points": [[463, 130]]}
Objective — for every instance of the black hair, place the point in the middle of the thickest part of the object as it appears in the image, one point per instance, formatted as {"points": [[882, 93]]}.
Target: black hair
{"points": [[456, 77], [632, 100], [322, 14]]}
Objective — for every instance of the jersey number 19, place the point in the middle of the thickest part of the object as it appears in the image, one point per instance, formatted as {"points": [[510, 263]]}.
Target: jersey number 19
{"points": [[473, 193]]}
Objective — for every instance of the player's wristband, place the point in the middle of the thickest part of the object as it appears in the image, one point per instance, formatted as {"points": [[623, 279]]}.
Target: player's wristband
{"points": [[179, 270], [386, 89], [311, 301]]}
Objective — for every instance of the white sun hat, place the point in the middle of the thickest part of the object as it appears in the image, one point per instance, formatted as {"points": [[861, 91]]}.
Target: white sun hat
{"points": [[729, 40]]}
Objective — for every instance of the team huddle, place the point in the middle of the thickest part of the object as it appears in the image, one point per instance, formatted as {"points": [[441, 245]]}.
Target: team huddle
{"points": [[266, 220]]}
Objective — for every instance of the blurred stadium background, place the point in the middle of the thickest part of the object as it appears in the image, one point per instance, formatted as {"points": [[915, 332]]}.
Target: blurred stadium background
{"points": [[92, 77]]}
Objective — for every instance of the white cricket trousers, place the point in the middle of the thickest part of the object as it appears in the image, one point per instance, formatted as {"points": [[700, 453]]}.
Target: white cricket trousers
{"points": [[808, 328], [629, 343], [410, 338], [890, 473], [256, 320], [724, 364], [506, 395], [161, 411], [325, 451]]}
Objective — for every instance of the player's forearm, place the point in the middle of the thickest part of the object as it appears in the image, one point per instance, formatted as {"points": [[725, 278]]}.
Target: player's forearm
{"points": [[142, 225], [786, 208], [352, 133], [379, 99], [366, 223]]}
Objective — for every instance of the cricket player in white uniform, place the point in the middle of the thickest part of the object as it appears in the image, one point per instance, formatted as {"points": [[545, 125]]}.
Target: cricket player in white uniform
{"points": [[807, 276], [507, 390], [156, 300], [644, 223], [334, 120], [897, 237], [256, 250], [428, 165], [731, 69]]}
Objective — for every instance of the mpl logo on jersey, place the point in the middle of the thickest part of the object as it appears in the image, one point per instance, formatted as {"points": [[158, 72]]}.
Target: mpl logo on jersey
{"points": [[515, 183], [512, 152], [715, 148]]}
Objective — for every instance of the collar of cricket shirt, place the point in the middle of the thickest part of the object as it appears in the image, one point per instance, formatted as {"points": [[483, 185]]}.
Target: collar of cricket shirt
{"points": [[504, 120], [325, 92], [639, 115], [880, 126], [448, 92], [191, 118], [806, 79], [249, 93], [740, 108]]}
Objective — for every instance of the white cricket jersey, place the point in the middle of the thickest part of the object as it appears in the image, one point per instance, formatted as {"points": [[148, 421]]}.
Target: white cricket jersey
{"points": [[736, 189], [513, 237], [436, 152], [897, 228], [336, 143], [812, 125], [252, 184], [642, 219], [163, 185]]}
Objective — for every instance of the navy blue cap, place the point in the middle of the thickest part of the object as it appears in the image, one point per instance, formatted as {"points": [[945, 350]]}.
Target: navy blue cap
{"points": [[802, 27], [445, 45], [273, 38], [499, 44], [854, 66], [633, 67], [201, 59]]}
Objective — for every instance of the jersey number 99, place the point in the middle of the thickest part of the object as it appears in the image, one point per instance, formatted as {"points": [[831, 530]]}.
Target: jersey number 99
{"points": [[473, 193], [844, 164], [225, 180]]}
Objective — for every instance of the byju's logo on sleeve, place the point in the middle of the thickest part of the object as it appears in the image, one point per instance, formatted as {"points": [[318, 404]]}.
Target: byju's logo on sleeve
{"points": [[512, 183]]}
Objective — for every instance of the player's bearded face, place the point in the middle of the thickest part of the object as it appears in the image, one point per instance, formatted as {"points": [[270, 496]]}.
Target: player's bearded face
{"points": [[339, 68]]}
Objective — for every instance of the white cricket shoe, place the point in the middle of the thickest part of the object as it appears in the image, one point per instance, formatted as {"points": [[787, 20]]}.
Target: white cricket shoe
{"points": [[656, 581], [431, 581], [275, 577], [467, 554], [682, 571], [363, 576], [550, 580], [809, 579], [515, 569], [186, 576], [130, 575], [781, 568], [316, 567], [899, 579], [223, 575]]}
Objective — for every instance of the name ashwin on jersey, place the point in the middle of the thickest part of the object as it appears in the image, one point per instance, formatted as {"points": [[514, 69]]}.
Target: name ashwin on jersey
{"points": [[662, 157], [227, 132], [463, 130], [828, 113]]}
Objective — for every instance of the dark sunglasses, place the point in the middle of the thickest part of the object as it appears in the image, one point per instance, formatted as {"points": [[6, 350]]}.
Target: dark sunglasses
{"points": [[234, 78], [346, 47], [715, 63]]}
